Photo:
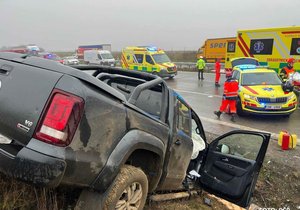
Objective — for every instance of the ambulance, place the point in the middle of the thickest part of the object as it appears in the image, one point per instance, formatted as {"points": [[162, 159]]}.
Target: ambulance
{"points": [[148, 59], [271, 46]]}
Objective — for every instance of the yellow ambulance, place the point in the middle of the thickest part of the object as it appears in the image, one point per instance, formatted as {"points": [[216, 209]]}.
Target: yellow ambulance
{"points": [[271, 46], [148, 59]]}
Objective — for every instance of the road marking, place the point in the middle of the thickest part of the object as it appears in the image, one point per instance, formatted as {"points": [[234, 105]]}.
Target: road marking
{"points": [[205, 94], [242, 127], [237, 126]]}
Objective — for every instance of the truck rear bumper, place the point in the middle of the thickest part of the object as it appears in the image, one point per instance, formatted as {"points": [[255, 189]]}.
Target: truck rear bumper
{"points": [[32, 167]]}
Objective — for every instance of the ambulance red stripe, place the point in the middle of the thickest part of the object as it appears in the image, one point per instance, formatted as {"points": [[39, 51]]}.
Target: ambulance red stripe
{"points": [[124, 61], [290, 32], [250, 89], [245, 45], [242, 49]]}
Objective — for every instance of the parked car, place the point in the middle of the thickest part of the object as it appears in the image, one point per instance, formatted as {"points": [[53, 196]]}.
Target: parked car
{"points": [[50, 56], [99, 57], [122, 134], [261, 92], [235, 62], [70, 61]]}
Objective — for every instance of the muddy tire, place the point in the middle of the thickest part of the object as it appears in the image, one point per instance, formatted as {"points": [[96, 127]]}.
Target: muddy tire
{"points": [[129, 191]]}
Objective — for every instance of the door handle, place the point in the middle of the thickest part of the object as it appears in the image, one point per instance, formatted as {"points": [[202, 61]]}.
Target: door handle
{"points": [[225, 159], [177, 142]]}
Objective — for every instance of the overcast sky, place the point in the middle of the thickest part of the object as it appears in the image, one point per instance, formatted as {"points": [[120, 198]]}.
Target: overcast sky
{"points": [[168, 24]]}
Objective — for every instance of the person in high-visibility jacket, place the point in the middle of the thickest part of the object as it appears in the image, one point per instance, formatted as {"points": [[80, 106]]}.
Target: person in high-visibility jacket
{"points": [[231, 87], [218, 72], [287, 70], [200, 66]]}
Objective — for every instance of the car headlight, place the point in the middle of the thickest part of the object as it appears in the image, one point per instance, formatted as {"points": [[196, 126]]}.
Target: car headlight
{"points": [[292, 96], [246, 96]]}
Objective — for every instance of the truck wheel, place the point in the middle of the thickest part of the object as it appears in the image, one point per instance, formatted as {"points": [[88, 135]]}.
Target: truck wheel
{"points": [[129, 190]]}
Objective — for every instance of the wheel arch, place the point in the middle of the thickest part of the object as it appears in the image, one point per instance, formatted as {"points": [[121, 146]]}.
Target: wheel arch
{"points": [[136, 148]]}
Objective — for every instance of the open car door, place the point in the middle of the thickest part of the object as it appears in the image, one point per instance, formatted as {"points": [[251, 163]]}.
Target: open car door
{"points": [[232, 164]]}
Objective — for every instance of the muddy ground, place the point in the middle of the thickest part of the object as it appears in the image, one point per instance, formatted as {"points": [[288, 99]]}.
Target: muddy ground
{"points": [[278, 187]]}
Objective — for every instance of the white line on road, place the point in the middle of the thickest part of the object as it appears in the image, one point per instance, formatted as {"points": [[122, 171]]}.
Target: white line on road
{"points": [[237, 126], [205, 94], [242, 127]]}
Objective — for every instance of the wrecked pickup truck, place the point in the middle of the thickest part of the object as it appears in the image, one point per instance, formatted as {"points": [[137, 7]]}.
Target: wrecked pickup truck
{"points": [[119, 133]]}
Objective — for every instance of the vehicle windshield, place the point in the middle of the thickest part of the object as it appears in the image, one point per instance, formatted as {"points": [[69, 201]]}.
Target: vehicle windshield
{"points": [[244, 61], [161, 58], [106, 56], [260, 78]]}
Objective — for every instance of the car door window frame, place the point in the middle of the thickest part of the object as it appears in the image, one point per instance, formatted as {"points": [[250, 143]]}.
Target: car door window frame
{"points": [[139, 56], [236, 75], [150, 61], [199, 125], [189, 132]]}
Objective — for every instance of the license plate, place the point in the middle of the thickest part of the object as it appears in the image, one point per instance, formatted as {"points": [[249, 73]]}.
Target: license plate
{"points": [[273, 107]]}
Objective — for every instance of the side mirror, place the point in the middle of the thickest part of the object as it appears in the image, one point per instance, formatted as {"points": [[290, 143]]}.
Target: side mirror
{"points": [[223, 148]]}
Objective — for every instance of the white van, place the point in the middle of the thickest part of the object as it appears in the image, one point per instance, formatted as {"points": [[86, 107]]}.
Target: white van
{"points": [[100, 57]]}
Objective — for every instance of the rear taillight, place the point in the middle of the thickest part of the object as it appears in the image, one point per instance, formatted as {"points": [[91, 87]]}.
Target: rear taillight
{"points": [[60, 119]]}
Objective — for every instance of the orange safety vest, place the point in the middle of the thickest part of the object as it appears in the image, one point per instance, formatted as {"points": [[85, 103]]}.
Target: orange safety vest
{"points": [[288, 71], [231, 88]]}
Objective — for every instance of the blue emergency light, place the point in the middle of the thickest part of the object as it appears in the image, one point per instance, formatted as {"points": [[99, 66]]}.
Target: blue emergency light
{"points": [[246, 66], [152, 49], [48, 56]]}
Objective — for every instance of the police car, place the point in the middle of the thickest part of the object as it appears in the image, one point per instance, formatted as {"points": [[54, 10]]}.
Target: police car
{"points": [[260, 92]]}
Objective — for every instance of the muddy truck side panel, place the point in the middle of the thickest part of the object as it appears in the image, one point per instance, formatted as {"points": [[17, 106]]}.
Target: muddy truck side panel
{"points": [[106, 123]]}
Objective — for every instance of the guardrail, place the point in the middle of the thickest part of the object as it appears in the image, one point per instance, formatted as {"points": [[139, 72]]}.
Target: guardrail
{"points": [[187, 66], [191, 66]]}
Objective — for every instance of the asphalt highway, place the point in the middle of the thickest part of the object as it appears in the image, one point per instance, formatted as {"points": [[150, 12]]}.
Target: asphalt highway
{"points": [[205, 98]]}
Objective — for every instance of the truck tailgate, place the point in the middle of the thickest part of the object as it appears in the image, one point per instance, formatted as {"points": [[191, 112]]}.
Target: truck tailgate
{"points": [[24, 91]]}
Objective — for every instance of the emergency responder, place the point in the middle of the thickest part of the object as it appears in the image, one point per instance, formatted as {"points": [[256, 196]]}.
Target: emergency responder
{"points": [[230, 95], [287, 70], [218, 72], [200, 66]]}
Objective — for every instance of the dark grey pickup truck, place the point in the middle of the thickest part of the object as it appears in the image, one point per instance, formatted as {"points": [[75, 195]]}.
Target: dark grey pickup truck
{"points": [[121, 134]]}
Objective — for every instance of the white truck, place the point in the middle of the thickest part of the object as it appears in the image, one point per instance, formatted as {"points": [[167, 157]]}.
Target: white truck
{"points": [[99, 57]]}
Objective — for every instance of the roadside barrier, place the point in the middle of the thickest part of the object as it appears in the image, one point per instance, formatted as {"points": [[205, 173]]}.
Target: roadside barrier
{"points": [[191, 66]]}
